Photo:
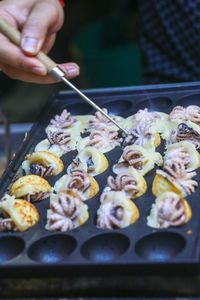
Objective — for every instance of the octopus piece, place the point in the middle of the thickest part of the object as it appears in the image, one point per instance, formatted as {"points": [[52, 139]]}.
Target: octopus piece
{"points": [[178, 113], [7, 224], [182, 177], [143, 115], [100, 120], [63, 212], [63, 121], [103, 138], [185, 133], [42, 163], [104, 196], [41, 170], [192, 113], [111, 216], [60, 138], [30, 188], [171, 212], [79, 180], [37, 196], [139, 135], [178, 156], [123, 182], [133, 158], [75, 163]]}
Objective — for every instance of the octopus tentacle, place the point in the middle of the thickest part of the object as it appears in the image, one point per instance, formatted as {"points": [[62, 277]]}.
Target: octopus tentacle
{"points": [[185, 133], [42, 171], [103, 138], [139, 135], [7, 224], [144, 115], [177, 155], [192, 113], [104, 196], [134, 158], [178, 113], [171, 212], [123, 181], [37, 196], [100, 120], [79, 180], [62, 121], [111, 216], [63, 212], [60, 138], [179, 174]]}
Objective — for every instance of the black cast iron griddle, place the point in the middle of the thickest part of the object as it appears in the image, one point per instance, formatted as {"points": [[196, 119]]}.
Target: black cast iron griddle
{"points": [[87, 250]]}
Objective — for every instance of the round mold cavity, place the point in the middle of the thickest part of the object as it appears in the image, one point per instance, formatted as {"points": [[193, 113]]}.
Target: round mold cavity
{"points": [[79, 109], [117, 107], [10, 247], [155, 104], [189, 100], [105, 247], [52, 249], [160, 246]]}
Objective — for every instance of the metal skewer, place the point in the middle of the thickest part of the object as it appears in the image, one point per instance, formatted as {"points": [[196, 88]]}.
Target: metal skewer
{"points": [[58, 74], [54, 70]]}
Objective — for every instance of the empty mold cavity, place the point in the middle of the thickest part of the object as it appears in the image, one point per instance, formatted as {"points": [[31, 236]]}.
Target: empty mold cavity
{"points": [[52, 249], [117, 107], [105, 247], [189, 100], [160, 246], [79, 108], [10, 247], [155, 104]]}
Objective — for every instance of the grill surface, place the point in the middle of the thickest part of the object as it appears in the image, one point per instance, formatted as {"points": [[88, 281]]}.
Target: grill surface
{"points": [[87, 249]]}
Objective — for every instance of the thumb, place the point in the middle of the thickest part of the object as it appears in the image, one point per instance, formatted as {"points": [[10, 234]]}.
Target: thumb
{"points": [[37, 26]]}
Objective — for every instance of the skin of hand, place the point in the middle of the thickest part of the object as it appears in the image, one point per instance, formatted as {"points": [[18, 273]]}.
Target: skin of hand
{"points": [[38, 21]]}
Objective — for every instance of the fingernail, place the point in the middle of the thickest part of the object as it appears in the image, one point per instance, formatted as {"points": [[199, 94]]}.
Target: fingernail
{"points": [[71, 72], [30, 45], [39, 70]]}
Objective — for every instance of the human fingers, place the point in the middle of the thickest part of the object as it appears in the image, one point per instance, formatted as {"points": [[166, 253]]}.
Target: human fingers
{"points": [[48, 43], [37, 27], [72, 70], [13, 57], [17, 14], [11, 54]]}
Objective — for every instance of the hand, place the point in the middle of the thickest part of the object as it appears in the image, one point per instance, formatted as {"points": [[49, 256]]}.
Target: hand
{"points": [[38, 21]]}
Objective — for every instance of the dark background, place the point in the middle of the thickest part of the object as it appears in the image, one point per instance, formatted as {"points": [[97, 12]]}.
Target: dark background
{"points": [[101, 36]]}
